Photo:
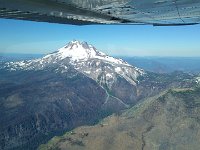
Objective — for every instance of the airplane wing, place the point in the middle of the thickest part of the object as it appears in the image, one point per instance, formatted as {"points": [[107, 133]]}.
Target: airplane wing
{"points": [[83, 12]]}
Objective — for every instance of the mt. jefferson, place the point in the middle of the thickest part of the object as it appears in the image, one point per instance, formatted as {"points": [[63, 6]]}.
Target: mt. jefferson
{"points": [[86, 59]]}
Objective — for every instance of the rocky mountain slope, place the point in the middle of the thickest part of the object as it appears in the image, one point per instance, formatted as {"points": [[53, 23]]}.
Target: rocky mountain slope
{"points": [[169, 120]]}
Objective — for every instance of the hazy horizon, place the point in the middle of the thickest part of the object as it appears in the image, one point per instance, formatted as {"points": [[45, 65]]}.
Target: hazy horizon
{"points": [[119, 40], [40, 54]]}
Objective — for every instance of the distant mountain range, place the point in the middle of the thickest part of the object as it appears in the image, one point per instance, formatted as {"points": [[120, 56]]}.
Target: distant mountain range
{"points": [[166, 64], [6, 57], [152, 64], [75, 85]]}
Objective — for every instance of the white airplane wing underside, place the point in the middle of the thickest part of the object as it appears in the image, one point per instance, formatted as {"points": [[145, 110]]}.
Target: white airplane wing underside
{"points": [[82, 12]]}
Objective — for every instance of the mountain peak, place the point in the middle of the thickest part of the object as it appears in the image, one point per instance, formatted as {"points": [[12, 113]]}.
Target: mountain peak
{"points": [[82, 51], [75, 44], [77, 50]]}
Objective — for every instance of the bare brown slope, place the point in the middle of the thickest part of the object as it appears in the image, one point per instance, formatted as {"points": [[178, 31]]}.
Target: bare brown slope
{"points": [[168, 121]]}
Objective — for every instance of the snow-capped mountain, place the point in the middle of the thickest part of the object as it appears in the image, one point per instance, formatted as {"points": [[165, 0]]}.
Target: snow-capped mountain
{"points": [[86, 59]]}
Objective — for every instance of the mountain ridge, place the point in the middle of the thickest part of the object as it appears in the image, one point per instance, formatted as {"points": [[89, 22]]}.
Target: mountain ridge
{"points": [[169, 120]]}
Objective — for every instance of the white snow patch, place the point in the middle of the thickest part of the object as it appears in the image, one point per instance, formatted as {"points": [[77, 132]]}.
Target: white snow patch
{"points": [[87, 72], [21, 63], [76, 51], [198, 80], [12, 69], [118, 69], [109, 75]]}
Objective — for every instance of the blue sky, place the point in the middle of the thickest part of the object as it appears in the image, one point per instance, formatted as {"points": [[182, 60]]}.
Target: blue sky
{"points": [[127, 40]]}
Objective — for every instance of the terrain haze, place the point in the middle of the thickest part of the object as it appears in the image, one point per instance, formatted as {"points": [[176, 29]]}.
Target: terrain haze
{"points": [[153, 64]]}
